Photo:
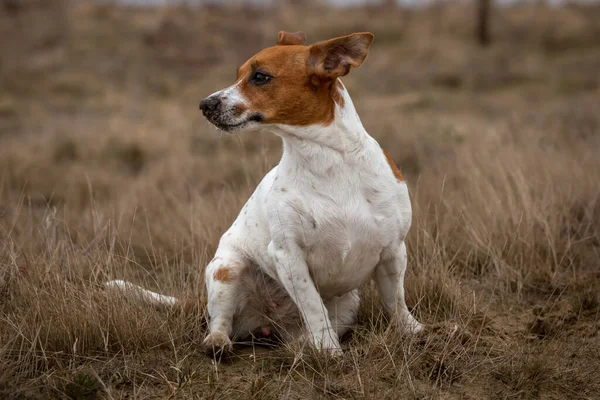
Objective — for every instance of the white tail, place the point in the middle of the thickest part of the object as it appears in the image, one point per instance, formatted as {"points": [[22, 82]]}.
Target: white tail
{"points": [[137, 293]]}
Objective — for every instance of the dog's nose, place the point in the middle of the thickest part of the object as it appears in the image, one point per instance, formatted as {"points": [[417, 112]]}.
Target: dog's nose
{"points": [[210, 103]]}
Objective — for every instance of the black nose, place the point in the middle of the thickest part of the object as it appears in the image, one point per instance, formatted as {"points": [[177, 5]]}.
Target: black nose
{"points": [[210, 103]]}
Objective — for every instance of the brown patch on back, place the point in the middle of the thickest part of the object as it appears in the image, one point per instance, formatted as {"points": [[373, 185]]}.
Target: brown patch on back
{"points": [[393, 166], [221, 275]]}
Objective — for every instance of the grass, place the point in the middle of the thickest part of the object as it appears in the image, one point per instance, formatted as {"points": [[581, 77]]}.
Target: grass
{"points": [[108, 171]]}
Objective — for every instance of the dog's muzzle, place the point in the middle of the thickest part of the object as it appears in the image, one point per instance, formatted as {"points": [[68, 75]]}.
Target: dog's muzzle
{"points": [[225, 117]]}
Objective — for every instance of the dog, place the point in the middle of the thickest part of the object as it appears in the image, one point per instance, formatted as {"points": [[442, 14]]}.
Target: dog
{"points": [[333, 214]]}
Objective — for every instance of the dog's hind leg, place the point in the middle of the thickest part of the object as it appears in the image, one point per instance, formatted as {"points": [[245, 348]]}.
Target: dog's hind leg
{"points": [[223, 277], [342, 311], [389, 276]]}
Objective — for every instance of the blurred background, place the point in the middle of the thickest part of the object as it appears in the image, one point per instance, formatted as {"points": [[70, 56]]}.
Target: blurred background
{"points": [[102, 94], [108, 170], [109, 89]]}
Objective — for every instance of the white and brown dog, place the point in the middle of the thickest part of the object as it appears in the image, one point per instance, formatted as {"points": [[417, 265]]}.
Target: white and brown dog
{"points": [[333, 214]]}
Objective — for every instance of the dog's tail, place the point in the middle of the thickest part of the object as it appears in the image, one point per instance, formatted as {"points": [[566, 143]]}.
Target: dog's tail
{"points": [[139, 294]]}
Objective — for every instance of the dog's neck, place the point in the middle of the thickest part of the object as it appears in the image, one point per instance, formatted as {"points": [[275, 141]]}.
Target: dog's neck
{"points": [[319, 147]]}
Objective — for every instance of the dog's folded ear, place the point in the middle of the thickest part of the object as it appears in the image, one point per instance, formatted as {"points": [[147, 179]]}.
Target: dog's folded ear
{"points": [[289, 38], [334, 57]]}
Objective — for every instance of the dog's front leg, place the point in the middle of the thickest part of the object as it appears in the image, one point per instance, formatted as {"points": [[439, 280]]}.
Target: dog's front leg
{"points": [[222, 278], [293, 273], [389, 276]]}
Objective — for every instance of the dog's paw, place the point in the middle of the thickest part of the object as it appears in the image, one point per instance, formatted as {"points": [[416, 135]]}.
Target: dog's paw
{"points": [[408, 325], [413, 327], [333, 351], [217, 343], [328, 343]]}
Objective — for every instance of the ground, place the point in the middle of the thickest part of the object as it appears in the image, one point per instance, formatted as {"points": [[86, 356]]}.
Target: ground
{"points": [[108, 170]]}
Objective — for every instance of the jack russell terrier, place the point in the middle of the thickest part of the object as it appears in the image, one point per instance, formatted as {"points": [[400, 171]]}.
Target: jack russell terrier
{"points": [[333, 214]]}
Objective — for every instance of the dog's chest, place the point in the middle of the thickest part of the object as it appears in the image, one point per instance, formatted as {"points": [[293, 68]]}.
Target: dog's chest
{"points": [[350, 224]]}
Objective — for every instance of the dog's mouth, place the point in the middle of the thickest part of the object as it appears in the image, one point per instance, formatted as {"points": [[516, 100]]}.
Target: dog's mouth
{"points": [[226, 126]]}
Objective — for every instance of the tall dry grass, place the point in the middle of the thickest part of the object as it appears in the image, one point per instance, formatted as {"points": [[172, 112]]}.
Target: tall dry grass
{"points": [[107, 171]]}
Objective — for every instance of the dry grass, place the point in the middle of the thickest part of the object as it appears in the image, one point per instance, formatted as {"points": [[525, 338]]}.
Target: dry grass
{"points": [[107, 170]]}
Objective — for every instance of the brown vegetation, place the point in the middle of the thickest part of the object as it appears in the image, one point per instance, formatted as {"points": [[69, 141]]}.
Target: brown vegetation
{"points": [[107, 170]]}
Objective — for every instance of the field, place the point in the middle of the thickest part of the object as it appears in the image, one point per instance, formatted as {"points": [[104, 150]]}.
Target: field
{"points": [[108, 170]]}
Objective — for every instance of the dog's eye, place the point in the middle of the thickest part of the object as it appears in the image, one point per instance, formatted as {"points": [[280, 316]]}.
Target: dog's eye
{"points": [[259, 78]]}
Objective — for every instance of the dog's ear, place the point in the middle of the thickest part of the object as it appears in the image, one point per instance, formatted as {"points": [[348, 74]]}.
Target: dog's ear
{"points": [[289, 38], [334, 57]]}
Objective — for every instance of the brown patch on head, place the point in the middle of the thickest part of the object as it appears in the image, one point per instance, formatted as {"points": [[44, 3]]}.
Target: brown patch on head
{"points": [[301, 86], [290, 97], [221, 275], [393, 166], [289, 38]]}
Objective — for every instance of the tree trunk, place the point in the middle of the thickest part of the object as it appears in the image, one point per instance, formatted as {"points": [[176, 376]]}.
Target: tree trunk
{"points": [[483, 22]]}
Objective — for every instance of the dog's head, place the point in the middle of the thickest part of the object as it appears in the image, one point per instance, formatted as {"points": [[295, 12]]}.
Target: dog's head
{"points": [[288, 84]]}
